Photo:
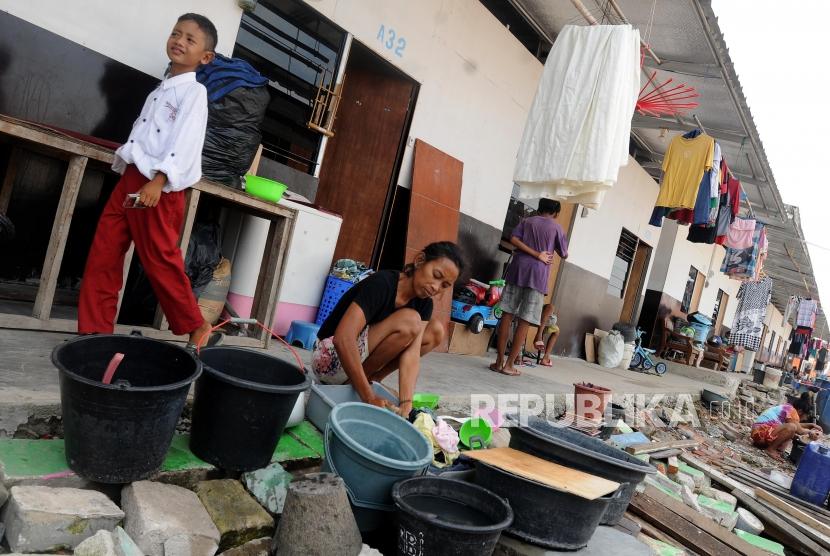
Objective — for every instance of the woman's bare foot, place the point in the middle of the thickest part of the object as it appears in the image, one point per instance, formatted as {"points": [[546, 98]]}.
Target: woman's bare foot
{"points": [[510, 370], [546, 362], [774, 454]]}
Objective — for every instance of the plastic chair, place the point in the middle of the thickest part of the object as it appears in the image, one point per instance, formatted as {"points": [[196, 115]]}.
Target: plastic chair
{"points": [[302, 333]]}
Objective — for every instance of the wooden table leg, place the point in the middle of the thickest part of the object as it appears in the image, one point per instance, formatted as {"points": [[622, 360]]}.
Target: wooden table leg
{"points": [[128, 259], [191, 205], [270, 276], [8, 181], [57, 242]]}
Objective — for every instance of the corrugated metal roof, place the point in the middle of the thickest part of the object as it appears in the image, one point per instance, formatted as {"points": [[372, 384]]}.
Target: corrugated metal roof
{"points": [[685, 36]]}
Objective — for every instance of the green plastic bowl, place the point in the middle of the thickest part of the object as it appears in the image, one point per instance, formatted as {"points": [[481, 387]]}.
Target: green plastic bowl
{"points": [[263, 188], [425, 400], [477, 428]]}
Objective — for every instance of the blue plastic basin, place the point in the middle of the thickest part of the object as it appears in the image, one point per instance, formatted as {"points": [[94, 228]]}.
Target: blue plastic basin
{"points": [[371, 449]]}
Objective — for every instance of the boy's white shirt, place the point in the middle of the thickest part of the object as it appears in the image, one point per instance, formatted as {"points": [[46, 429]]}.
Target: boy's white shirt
{"points": [[169, 133]]}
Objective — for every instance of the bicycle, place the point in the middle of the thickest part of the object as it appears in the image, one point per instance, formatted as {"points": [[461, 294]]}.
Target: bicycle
{"points": [[642, 361]]}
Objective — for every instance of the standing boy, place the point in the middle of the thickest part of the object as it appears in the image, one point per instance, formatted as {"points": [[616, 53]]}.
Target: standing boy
{"points": [[161, 158], [536, 239]]}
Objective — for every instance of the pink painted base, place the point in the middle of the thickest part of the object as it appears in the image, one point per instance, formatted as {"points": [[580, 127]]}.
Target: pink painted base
{"points": [[286, 312]]}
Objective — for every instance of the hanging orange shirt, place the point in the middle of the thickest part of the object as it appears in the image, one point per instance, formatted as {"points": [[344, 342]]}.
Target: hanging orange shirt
{"points": [[685, 162]]}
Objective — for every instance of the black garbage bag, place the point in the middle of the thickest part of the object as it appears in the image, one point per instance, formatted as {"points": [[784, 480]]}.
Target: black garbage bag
{"points": [[203, 254], [233, 134]]}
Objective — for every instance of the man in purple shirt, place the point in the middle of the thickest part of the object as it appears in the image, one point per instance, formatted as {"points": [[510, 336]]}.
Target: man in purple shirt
{"points": [[536, 240]]}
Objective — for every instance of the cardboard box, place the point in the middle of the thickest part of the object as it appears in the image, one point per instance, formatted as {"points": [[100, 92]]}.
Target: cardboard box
{"points": [[464, 342], [590, 348]]}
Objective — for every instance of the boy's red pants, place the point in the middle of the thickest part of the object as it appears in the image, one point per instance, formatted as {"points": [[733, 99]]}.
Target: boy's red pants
{"points": [[155, 232]]}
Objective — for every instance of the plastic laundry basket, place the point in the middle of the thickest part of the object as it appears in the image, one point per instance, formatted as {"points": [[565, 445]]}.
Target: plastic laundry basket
{"points": [[334, 290]]}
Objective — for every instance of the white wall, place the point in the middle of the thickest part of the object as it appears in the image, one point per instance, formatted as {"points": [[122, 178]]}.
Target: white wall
{"points": [[707, 259], [477, 85], [628, 205], [775, 323], [132, 32], [477, 80]]}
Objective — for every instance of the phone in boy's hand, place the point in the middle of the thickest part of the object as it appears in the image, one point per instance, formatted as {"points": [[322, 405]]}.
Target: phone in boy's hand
{"points": [[132, 201]]}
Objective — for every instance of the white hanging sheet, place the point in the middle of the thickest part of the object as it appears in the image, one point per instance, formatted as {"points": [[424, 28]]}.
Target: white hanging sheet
{"points": [[577, 132]]}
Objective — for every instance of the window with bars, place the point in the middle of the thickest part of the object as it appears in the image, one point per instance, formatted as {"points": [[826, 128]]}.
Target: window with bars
{"points": [[689, 292], [621, 267], [298, 50]]}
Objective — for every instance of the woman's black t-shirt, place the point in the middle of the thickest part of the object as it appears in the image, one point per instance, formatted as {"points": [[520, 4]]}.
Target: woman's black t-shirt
{"points": [[376, 296]]}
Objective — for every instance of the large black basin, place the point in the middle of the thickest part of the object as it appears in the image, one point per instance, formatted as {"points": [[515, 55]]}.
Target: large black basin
{"points": [[573, 449]]}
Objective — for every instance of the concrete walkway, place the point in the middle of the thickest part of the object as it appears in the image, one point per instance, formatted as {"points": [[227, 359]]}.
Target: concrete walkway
{"points": [[29, 381]]}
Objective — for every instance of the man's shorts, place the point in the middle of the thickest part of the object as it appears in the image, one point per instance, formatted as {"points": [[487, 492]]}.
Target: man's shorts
{"points": [[525, 303]]}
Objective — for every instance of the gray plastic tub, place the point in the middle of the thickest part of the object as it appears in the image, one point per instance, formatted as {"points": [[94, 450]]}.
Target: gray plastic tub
{"points": [[324, 397]]}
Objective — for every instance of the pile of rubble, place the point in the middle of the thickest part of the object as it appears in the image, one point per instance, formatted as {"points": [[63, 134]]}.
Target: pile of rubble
{"points": [[157, 519], [714, 492]]}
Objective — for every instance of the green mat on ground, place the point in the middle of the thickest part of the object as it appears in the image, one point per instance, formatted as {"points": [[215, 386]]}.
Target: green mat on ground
{"points": [[39, 458]]}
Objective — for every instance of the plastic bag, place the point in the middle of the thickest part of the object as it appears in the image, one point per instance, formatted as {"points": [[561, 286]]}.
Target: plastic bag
{"points": [[233, 137], [203, 255], [611, 349]]}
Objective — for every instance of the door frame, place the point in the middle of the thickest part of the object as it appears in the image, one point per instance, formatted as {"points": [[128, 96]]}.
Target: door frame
{"points": [[631, 302]]}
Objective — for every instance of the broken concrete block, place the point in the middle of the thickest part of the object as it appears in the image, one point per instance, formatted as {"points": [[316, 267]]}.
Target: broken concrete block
{"points": [[39, 518], [367, 550], [748, 522], [269, 486], [4, 494], [718, 510], [258, 547], [104, 543], [100, 544], [157, 513], [299, 532], [725, 497], [664, 483], [684, 480], [690, 499], [696, 474], [237, 516], [189, 545]]}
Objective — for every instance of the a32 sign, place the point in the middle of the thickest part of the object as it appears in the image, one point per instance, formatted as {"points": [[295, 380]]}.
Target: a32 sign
{"points": [[391, 40]]}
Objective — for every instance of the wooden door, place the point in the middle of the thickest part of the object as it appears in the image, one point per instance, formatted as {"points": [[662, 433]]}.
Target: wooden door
{"points": [[635, 283], [360, 162], [700, 280], [434, 211], [723, 302]]}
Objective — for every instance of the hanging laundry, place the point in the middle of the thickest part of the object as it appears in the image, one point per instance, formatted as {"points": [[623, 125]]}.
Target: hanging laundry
{"points": [[752, 310], [763, 248], [730, 187], [740, 233], [742, 263], [799, 339], [792, 307], [685, 159], [806, 315], [578, 130], [684, 165]]}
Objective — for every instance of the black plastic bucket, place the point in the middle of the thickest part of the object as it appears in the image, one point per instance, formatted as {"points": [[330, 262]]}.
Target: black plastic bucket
{"points": [[444, 517], [120, 432], [243, 401], [573, 449], [542, 515]]}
